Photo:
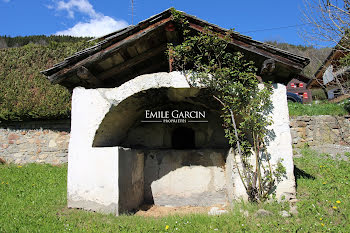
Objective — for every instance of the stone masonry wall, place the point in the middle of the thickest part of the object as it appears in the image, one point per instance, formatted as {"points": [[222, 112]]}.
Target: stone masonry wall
{"points": [[47, 141], [320, 130], [35, 142]]}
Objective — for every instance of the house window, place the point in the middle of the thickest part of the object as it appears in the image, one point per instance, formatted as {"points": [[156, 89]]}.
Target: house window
{"points": [[183, 138]]}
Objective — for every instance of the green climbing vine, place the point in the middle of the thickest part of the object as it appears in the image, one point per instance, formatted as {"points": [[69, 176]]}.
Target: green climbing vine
{"points": [[205, 57]]}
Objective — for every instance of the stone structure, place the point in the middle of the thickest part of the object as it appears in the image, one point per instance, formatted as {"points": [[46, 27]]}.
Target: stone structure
{"points": [[320, 130], [122, 99], [105, 176], [35, 142]]}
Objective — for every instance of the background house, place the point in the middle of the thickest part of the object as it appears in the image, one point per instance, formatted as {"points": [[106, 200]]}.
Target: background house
{"points": [[332, 76], [298, 86]]}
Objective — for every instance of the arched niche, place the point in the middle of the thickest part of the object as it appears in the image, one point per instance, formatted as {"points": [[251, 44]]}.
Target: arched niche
{"points": [[127, 125]]}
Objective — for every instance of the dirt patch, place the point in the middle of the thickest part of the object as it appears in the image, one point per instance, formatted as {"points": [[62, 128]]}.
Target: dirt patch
{"points": [[161, 211]]}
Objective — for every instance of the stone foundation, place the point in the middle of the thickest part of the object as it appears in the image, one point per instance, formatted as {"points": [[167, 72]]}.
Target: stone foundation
{"points": [[35, 142], [320, 130]]}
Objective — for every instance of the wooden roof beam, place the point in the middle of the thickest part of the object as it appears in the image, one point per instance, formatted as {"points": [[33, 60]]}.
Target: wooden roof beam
{"points": [[85, 74], [254, 49], [133, 61]]}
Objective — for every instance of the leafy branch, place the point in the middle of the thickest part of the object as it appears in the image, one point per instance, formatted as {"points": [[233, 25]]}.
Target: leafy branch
{"points": [[207, 59]]}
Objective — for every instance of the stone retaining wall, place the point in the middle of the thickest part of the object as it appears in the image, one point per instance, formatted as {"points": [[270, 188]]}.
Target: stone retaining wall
{"points": [[320, 130], [36, 141], [47, 141]]}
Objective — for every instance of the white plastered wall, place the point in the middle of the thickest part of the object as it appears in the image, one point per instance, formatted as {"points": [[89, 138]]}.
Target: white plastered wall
{"points": [[281, 147], [93, 172]]}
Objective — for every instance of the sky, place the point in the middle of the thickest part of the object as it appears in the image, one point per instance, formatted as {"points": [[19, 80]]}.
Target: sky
{"points": [[262, 20]]}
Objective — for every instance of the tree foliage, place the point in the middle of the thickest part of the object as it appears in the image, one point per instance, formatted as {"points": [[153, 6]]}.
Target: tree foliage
{"points": [[316, 55], [27, 94], [208, 61]]}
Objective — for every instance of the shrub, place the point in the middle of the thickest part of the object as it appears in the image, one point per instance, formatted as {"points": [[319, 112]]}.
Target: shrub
{"points": [[318, 94], [26, 94]]}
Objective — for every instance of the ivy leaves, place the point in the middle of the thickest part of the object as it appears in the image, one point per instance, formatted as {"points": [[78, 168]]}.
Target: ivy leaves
{"points": [[208, 59]]}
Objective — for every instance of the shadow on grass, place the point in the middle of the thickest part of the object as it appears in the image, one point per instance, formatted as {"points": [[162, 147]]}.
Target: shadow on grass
{"points": [[298, 173]]}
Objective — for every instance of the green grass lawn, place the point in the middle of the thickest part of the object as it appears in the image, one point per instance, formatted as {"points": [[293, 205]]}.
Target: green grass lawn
{"points": [[33, 199], [297, 109]]}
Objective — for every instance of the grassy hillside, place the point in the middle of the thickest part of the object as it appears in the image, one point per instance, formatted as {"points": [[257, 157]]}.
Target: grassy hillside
{"points": [[27, 94]]}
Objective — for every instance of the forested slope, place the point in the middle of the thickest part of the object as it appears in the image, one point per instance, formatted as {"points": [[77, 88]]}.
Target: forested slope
{"points": [[317, 56], [18, 41]]}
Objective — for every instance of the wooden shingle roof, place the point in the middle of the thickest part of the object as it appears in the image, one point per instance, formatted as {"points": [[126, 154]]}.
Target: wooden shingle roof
{"points": [[140, 49]]}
